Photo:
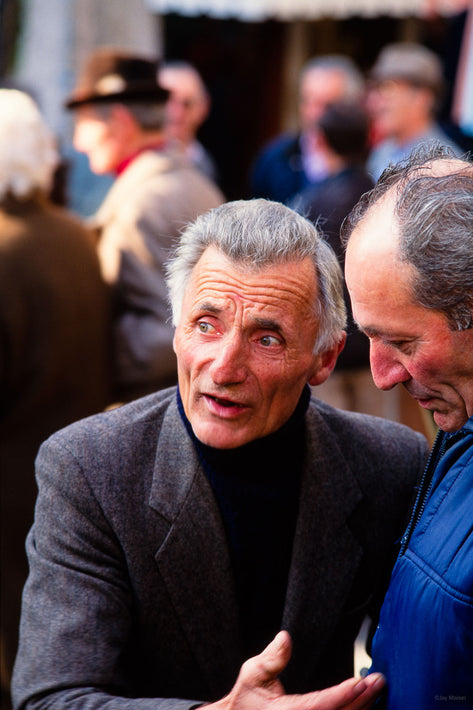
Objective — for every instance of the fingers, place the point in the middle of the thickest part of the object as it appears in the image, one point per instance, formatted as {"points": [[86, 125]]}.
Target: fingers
{"points": [[375, 683], [352, 694], [258, 688]]}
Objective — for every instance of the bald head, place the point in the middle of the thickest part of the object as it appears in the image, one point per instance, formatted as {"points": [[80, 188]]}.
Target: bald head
{"points": [[421, 212], [409, 271]]}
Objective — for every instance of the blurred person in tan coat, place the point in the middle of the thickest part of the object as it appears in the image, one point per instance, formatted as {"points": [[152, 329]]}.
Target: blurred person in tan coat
{"points": [[119, 112], [54, 335]]}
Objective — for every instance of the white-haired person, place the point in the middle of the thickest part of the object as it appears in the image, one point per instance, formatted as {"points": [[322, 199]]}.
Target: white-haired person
{"points": [[53, 334]]}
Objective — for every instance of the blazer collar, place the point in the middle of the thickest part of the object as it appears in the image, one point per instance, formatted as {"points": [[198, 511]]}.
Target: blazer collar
{"points": [[194, 560]]}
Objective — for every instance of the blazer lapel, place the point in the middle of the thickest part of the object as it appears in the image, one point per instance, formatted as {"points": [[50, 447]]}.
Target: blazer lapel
{"points": [[326, 553], [193, 560]]}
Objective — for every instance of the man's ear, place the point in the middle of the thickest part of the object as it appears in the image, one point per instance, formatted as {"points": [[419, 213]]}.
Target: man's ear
{"points": [[122, 120], [326, 361]]}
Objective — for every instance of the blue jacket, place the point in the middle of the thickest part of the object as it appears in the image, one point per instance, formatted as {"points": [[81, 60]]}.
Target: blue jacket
{"points": [[278, 173], [424, 640]]}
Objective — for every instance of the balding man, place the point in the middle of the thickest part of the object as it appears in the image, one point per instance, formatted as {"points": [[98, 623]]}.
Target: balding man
{"points": [[293, 160], [409, 270]]}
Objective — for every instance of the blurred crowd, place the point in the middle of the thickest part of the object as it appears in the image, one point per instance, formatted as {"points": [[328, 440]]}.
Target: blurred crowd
{"points": [[84, 321]]}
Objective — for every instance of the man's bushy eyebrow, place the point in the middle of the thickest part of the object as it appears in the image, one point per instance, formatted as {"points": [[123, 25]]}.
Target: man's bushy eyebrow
{"points": [[265, 323], [268, 324], [209, 307]]}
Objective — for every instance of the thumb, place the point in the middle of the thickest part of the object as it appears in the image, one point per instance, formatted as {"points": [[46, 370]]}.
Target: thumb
{"points": [[276, 655]]}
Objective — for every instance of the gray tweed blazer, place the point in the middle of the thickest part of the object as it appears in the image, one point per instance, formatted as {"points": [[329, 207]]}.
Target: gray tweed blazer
{"points": [[131, 599]]}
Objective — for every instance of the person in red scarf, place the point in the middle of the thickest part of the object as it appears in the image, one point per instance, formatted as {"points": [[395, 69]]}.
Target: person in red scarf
{"points": [[119, 124]]}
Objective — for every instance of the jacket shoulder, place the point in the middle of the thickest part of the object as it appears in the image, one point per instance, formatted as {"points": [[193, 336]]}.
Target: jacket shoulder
{"points": [[377, 450], [127, 423]]}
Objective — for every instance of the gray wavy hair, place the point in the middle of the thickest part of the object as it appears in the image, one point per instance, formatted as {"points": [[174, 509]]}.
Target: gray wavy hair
{"points": [[28, 154], [434, 213], [258, 233]]}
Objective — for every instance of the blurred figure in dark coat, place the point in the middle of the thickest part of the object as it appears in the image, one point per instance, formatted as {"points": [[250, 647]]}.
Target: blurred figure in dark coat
{"points": [[54, 341], [292, 161], [343, 130]]}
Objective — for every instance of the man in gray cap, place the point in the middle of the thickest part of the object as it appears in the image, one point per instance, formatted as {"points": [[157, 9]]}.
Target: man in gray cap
{"points": [[119, 110], [406, 90]]}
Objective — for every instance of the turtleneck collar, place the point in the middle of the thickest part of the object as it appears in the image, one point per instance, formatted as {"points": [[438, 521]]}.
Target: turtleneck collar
{"points": [[257, 488], [268, 448]]}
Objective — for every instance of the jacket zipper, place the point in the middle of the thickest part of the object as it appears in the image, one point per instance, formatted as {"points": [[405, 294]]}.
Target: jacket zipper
{"points": [[425, 487]]}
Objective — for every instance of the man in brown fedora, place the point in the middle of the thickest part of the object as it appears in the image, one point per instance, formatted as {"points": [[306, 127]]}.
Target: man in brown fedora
{"points": [[119, 116]]}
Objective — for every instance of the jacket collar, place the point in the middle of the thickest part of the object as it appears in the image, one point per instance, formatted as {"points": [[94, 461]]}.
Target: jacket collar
{"points": [[146, 166]]}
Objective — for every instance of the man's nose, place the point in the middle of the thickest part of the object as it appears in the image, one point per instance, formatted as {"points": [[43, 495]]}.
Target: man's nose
{"points": [[175, 109], [386, 368], [230, 363]]}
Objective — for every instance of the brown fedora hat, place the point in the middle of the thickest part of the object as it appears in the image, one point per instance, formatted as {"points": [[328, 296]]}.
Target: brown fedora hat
{"points": [[115, 75]]}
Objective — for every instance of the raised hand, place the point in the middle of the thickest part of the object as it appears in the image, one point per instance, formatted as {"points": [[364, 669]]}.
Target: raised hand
{"points": [[258, 688]]}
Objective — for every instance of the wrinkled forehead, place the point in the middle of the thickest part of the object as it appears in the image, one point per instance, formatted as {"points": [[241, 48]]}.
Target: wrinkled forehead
{"points": [[377, 232], [281, 282]]}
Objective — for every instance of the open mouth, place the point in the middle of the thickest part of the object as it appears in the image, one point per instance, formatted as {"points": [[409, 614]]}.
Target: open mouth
{"points": [[227, 403]]}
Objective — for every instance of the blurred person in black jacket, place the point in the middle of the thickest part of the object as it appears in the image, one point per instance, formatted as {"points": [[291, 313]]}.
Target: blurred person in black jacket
{"points": [[343, 131]]}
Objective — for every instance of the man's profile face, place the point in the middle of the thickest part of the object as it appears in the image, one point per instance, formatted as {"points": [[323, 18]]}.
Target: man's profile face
{"points": [[97, 137], [187, 106], [244, 346], [409, 344]]}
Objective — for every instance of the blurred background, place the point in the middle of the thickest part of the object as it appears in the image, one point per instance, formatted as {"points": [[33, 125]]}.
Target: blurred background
{"points": [[249, 53]]}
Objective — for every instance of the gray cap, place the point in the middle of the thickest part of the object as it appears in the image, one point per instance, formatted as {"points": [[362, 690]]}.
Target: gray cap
{"points": [[410, 62]]}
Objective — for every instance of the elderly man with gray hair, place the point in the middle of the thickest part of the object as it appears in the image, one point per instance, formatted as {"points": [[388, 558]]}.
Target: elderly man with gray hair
{"points": [[232, 516]]}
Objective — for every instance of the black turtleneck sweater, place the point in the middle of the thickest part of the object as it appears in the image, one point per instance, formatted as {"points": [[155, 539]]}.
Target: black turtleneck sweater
{"points": [[257, 489]]}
